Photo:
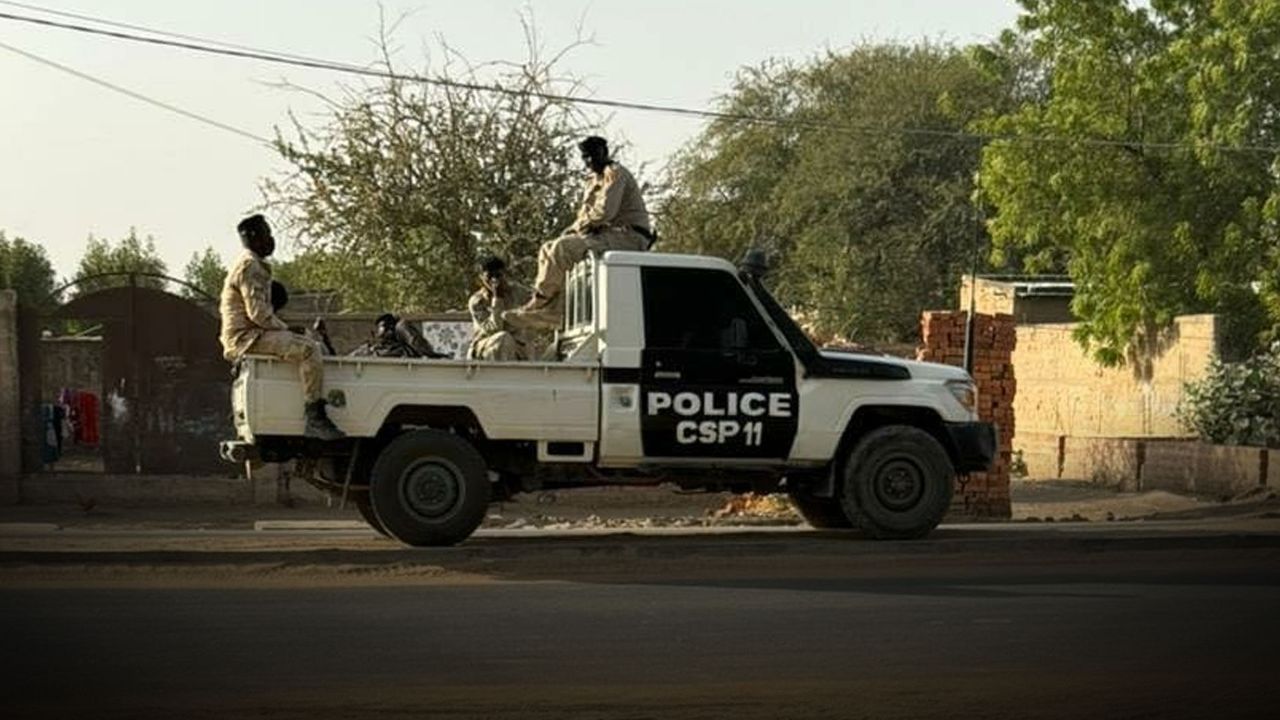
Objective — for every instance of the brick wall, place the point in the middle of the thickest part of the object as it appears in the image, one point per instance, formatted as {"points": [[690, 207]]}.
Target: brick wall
{"points": [[984, 495], [1062, 392]]}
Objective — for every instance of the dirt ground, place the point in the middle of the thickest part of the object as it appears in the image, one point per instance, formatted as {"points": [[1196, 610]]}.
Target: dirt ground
{"points": [[1033, 501]]}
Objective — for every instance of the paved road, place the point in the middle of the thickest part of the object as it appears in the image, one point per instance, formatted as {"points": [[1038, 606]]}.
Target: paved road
{"points": [[753, 626]]}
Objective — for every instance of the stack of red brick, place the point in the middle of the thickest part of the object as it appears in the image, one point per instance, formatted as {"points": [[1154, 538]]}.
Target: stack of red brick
{"points": [[981, 495]]}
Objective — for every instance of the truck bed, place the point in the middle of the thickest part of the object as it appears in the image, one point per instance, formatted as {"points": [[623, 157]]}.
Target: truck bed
{"points": [[512, 400]]}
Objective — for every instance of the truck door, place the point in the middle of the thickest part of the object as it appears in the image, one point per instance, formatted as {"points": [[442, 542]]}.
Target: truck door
{"points": [[715, 382]]}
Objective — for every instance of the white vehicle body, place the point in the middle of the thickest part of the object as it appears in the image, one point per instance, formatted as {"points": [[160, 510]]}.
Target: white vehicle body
{"points": [[667, 364]]}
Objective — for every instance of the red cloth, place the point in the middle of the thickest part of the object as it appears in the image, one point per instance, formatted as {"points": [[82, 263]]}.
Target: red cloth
{"points": [[86, 404]]}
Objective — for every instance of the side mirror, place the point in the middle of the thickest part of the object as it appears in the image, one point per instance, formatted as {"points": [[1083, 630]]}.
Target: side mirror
{"points": [[754, 263]]}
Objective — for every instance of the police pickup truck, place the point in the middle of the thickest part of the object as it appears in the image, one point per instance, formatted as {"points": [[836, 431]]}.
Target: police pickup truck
{"points": [[669, 368]]}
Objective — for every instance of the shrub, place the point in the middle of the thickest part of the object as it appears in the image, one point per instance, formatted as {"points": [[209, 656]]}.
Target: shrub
{"points": [[1236, 403]]}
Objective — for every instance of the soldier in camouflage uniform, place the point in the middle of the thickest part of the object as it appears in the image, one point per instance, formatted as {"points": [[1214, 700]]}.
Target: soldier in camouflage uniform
{"points": [[612, 217], [491, 338], [250, 324]]}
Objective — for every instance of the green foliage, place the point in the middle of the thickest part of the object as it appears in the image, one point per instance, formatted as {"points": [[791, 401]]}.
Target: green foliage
{"points": [[131, 255], [1236, 403], [205, 271], [1153, 230], [25, 268], [393, 199], [867, 226]]}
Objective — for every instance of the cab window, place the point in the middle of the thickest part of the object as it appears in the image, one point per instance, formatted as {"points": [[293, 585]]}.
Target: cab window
{"points": [[698, 309]]}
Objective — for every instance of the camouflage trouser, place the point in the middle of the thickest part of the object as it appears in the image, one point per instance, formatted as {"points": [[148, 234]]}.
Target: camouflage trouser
{"points": [[556, 257], [294, 348], [498, 346]]}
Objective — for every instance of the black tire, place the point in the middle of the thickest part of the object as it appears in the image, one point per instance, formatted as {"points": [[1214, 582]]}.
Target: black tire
{"points": [[429, 487], [364, 506], [897, 483], [822, 513]]}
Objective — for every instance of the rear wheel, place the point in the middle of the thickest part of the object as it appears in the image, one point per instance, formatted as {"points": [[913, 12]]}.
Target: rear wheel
{"points": [[822, 513], [364, 505], [429, 487], [897, 483]]}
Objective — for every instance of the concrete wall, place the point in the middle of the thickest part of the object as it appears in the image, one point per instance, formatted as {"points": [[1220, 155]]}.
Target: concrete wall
{"points": [[10, 401], [350, 330], [996, 297], [1064, 393], [1176, 465]]}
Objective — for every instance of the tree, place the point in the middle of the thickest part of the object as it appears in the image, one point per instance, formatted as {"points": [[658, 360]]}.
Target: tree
{"points": [[206, 272], [1163, 198], [25, 267], [395, 197], [131, 255], [861, 192]]}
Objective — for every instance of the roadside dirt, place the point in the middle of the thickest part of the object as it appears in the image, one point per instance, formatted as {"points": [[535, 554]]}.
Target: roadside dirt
{"points": [[661, 507]]}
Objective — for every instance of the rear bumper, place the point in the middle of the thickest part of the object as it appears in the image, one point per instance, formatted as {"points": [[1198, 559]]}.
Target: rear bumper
{"points": [[238, 452], [974, 444]]}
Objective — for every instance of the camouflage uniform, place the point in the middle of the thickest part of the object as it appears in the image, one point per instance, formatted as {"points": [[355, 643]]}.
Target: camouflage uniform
{"points": [[250, 326], [491, 339], [612, 208]]}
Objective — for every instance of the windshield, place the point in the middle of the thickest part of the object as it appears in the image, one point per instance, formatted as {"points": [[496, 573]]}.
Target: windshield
{"points": [[796, 338]]}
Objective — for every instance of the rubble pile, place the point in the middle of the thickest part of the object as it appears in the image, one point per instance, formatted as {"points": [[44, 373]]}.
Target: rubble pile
{"points": [[980, 495]]}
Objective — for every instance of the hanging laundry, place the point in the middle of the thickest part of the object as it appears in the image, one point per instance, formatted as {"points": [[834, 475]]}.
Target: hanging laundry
{"points": [[87, 411]]}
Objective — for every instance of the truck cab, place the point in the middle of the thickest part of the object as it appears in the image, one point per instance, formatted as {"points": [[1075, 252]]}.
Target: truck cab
{"points": [[669, 368]]}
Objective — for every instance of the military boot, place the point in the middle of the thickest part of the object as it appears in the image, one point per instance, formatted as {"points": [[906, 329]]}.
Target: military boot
{"points": [[319, 426]]}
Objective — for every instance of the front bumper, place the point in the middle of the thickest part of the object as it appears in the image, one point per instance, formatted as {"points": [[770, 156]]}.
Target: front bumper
{"points": [[974, 445]]}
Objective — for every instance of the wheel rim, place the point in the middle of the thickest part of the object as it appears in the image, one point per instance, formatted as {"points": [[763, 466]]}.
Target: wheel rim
{"points": [[899, 484], [431, 488]]}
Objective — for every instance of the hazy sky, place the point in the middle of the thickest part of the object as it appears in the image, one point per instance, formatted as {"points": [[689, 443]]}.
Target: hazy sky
{"points": [[77, 159]]}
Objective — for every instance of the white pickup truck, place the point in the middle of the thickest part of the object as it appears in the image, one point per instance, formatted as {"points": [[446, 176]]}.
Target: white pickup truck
{"points": [[670, 369]]}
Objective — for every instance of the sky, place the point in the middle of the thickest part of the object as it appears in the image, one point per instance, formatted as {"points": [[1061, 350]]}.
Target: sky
{"points": [[78, 159]]}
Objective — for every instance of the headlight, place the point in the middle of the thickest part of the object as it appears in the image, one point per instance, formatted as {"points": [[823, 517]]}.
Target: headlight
{"points": [[965, 393]]}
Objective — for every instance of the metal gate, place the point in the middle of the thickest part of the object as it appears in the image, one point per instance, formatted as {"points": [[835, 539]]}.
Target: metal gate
{"points": [[165, 389]]}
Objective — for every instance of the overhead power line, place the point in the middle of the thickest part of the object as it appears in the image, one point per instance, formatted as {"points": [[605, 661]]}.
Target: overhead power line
{"points": [[135, 95], [149, 30], [213, 47]]}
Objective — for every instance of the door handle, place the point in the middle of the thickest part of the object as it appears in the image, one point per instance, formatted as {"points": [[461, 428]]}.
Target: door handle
{"points": [[666, 375], [762, 380]]}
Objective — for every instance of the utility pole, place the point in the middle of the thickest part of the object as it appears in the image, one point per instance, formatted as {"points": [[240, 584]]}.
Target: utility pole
{"points": [[973, 274]]}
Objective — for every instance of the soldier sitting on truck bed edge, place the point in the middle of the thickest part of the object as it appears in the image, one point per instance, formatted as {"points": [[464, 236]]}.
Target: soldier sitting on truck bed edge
{"points": [[250, 324]]}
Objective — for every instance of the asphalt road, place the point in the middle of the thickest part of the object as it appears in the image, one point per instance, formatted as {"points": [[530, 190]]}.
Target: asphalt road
{"points": [[782, 625]]}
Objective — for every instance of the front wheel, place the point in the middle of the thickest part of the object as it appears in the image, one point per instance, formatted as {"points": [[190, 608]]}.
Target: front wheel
{"points": [[429, 487], [897, 483]]}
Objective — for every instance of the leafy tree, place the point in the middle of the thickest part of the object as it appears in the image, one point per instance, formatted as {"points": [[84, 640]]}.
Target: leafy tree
{"points": [[1236, 403], [206, 272], [131, 255], [25, 267], [396, 195], [868, 224], [1161, 201]]}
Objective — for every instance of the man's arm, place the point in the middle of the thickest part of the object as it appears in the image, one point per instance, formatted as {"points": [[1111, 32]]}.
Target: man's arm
{"points": [[486, 314], [255, 288]]}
